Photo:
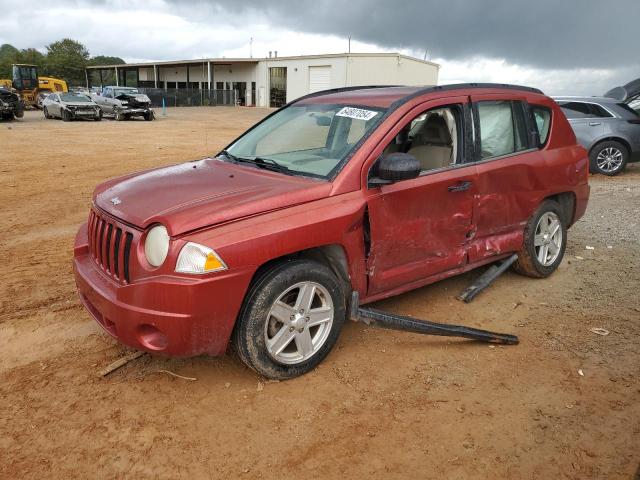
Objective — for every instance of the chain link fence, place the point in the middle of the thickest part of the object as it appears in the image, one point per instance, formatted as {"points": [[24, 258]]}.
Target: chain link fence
{"points": [[186, 97]]}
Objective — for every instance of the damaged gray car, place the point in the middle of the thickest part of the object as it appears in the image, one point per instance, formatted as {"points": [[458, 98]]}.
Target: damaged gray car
{"points": [[124, 103], [70, 106], [10, 105]]}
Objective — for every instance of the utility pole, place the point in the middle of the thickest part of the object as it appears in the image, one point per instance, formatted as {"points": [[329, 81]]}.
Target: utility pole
{"points": [[349, 49], [251, 47]]}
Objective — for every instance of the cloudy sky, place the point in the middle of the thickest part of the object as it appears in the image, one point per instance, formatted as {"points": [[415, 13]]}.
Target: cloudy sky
{"points": [[562, 46]]}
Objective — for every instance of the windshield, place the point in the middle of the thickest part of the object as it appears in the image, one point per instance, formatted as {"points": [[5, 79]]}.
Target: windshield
{"points": [[308, 139], [72, 97], [125, 91]]}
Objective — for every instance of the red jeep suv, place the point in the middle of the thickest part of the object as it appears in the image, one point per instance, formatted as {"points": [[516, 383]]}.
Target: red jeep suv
{"points": [[374, 190]]}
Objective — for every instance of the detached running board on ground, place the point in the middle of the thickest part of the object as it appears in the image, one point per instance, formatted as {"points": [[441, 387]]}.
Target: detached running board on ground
{"points": [[486, 279], [377, 318]]}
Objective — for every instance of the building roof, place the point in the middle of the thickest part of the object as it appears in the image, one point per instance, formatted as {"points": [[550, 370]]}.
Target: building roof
{"points": [[224, 60]]}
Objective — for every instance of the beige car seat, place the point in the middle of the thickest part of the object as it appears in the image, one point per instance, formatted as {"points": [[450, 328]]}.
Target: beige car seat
{"points": [[432, 144]]}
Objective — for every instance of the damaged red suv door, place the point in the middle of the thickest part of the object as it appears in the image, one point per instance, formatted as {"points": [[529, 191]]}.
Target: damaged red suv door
{"points": [[430, 216]]}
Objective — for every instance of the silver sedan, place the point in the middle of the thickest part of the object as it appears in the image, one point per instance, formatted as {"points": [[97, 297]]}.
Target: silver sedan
{"points": [[71, 106]]}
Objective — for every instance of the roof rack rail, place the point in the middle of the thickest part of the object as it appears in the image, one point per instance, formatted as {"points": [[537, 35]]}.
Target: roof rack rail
{"points": [[509, 86], [343, 89]]}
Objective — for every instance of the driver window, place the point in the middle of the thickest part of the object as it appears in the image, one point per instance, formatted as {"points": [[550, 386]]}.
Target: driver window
{"points": [[433, 137]]}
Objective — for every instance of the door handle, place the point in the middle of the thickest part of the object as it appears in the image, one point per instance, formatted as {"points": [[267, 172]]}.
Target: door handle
{"points": [[460, 186], [594, 124]]}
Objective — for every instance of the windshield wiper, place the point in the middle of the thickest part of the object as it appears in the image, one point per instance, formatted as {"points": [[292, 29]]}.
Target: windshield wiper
{"points": [[231, 157], [266, 163], [271, 164]]}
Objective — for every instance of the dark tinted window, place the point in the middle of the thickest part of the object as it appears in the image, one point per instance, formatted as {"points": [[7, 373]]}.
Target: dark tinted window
{"points": [[542, 120], [583, 110], [628, 108], [502, 128], [575, 109], [599, 111]]}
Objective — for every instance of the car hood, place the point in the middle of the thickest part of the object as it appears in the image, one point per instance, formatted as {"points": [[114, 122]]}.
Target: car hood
{"points": [[195, 195], [80, 104], [136, 97]]}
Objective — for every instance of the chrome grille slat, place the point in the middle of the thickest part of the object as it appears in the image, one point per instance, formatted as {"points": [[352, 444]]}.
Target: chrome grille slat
{"points": [[110, 245]]}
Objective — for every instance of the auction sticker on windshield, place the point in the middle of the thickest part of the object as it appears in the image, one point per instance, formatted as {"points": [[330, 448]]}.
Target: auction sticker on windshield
{"points": [[356, 113]]}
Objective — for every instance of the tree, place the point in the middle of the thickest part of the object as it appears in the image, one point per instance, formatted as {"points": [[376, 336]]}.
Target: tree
{"points": [[67, 59], [106, 60], [32, 56], [8, 56]]}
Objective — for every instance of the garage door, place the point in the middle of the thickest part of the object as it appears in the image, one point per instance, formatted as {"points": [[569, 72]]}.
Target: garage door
{"points": [[319, 79]]}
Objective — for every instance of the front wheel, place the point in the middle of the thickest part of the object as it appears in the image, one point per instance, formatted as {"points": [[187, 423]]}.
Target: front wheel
{"points": [[609, 158], [148, 116], [290, 320], [46, 113], [66, 116], [545, 240]]}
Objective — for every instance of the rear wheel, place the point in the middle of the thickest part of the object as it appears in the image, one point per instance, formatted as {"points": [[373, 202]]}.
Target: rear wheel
{"points": [[545, 241], [609, 158], [290, 320]]}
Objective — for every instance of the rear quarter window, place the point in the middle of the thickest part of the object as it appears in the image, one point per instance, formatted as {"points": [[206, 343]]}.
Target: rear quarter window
{"points": [[542, 120]]}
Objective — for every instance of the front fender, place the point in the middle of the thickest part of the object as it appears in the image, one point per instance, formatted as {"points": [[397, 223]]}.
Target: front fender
{"points": [[252, 242]]}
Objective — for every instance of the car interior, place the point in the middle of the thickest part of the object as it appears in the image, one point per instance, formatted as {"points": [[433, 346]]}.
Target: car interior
{"points": [[432, 138]]}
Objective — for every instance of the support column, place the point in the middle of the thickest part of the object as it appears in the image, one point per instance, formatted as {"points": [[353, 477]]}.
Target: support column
{"points": [[117, 77], [86, 76], [209, 74], [155, 76]]}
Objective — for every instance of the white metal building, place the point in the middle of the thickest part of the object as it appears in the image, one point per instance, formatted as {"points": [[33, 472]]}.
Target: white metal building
{"points": [[273, 81]]}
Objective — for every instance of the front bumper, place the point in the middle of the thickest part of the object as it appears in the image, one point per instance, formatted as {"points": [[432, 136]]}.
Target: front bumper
{"points": [[170, 315], [85, 114], [135, 112]]}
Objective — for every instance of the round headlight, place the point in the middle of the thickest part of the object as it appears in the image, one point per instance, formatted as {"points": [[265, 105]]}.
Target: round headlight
{"points": [[156, 245]]}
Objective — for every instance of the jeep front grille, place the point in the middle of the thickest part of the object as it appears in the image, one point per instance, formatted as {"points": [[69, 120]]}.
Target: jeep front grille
{"points": [[110, 245]]}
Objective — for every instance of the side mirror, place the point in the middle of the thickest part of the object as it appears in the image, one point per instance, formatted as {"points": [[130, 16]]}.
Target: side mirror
{"points": [[395, 167]]}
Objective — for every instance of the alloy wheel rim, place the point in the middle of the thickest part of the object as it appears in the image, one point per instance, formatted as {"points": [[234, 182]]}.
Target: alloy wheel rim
{"points": [[609, 159], [299, 323], [548, 239]]}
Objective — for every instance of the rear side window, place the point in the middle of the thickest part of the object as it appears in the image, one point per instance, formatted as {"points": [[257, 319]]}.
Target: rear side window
{"points": [[542, 119], [628, 108], [502, 128], [576, 110]]}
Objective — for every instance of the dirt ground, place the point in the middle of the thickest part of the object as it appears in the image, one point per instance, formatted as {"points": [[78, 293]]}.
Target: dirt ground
{"points": [[562, 404]]}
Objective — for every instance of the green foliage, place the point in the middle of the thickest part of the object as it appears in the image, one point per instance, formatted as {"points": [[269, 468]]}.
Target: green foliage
{"points": [[106, 60], [32, 56], [67, 59], [8, 56]]}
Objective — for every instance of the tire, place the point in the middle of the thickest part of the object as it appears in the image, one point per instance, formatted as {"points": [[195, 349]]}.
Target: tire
{"points": [[262, 321], [609, 158], [119, 116], [148, 116], [46, 113], [529, 261], [98, 117], [66, 115]]}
